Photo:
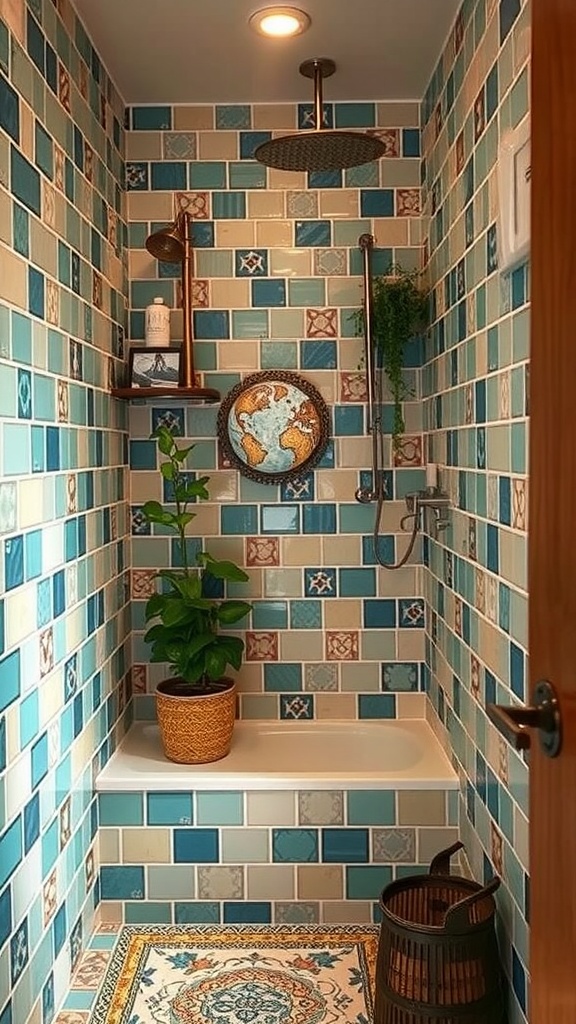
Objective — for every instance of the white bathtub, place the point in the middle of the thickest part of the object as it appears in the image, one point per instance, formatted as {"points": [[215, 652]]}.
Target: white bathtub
{"points": [[268, 755]]}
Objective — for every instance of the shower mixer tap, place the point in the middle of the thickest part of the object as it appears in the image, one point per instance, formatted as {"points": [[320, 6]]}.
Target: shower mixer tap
{"points": [[434, 499]]}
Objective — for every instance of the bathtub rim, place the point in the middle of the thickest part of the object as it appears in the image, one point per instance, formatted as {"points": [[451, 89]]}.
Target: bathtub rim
{"points": [[124, 773]]}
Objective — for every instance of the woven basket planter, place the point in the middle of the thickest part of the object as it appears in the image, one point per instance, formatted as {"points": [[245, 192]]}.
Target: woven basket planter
{"points": [[196, 729]]}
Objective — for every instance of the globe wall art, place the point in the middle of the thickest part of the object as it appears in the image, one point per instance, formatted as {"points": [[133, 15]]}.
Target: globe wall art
{"points": [[273, 426]]}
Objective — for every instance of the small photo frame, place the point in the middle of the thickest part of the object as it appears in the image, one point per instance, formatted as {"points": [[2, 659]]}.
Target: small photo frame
{"points": [[514, 173], [273, 426], [150, 367]]}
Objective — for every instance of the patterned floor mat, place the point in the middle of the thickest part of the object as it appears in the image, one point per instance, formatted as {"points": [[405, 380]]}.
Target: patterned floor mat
{"points": [[239, 975]]}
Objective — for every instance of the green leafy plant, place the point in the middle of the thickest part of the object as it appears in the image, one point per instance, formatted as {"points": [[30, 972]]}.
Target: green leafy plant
{"points": [[399, 313], [186, 621]]}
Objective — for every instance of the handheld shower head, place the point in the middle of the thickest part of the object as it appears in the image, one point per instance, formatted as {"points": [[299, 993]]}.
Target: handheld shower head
{"points": [[169, 243]]}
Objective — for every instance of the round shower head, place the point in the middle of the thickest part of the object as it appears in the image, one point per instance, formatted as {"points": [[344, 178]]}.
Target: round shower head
{"points": [[167, 244], [319, 149]]}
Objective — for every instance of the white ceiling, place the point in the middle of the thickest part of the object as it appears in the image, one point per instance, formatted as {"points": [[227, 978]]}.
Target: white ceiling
{"points": [[202, 51]]}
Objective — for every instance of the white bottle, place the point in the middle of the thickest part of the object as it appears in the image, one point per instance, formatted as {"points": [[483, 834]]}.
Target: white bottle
{"points": [[157, 323]]}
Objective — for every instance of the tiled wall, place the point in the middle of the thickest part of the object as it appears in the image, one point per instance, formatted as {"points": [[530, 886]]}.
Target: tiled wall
{"points": [[63, 548], [277, 280], [255, 857], [475, 385]]}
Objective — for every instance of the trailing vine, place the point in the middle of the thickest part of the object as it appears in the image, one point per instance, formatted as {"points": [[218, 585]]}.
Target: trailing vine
{"points": [[399, 312]]}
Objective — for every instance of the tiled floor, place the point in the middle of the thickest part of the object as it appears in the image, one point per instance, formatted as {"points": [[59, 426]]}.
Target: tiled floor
{"points": [[88, 976]]}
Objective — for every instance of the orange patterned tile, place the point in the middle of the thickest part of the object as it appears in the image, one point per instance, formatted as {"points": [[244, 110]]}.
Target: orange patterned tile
{"points": [[342, 645], [262, 551], [261, 646]]}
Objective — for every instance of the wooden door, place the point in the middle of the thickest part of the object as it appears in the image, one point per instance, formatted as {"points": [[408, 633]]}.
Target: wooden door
{"points": [[552, 516]]}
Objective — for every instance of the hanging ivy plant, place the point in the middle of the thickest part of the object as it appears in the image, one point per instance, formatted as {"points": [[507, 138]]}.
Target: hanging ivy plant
{"points": [[399, 313]]}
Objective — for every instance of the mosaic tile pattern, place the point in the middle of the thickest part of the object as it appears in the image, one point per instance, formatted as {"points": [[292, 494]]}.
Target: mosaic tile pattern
{"points": [[63, 526], [254, 856], [277, 255], [475, 416]]}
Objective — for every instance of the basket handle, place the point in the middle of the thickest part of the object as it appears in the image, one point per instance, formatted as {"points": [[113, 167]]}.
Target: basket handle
{"points": [[457, 918], [441, 863]]}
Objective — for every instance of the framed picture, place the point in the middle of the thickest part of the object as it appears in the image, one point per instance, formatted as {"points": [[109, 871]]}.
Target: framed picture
{"points": [[154, 367], [273, 426], [514, 197]]}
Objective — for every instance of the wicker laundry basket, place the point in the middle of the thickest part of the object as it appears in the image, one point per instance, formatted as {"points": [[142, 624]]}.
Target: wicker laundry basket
{"points": [[438, 957]]}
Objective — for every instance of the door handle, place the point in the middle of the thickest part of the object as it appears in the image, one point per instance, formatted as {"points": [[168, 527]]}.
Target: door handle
{"points": [[543, 714]]}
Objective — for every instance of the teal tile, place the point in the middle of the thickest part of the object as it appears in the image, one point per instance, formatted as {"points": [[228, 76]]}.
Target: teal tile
{"points": [[142, 293], [233, 116], [25, 181], [357, 582], [278, 519], [44, 397], [4, 47], [247, 175], [169, 808], [367, 882], [371, 807], [279, 355], [364, 176], [121, 809], [20, 230], [147, 913], [354, 115], [294, 845], [355, 518], [229, 205], [220, 808], [208, 174], [214, 263], [307, 291], [270, 615], [44, 151], [21, 338], [250, 323]]}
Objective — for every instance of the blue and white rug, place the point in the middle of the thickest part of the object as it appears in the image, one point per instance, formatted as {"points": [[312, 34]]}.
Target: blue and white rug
{"points": [[239, 975]]}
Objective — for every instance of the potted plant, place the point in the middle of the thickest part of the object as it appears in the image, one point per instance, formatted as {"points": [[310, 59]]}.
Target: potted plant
{"points": [[196, 706], [399, 313]]}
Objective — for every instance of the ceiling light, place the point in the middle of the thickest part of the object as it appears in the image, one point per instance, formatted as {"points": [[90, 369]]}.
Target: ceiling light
{"points": [[280, 22]]}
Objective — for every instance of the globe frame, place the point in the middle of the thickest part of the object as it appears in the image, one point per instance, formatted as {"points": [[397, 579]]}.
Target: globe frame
{"points": [[280, 377]]}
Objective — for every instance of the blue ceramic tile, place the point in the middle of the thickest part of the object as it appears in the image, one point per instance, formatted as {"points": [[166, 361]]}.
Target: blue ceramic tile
{"points": [[411, 142], [196, 846], [296, 707], [200, 912], [306, 614], [306, 118], [210, 323], [219, 808], [318, 355], [517, 673], [269, 292], [320, 582], [229, 205], [36, 292], [10, 850], [386, 549], [377, 202], [33, 555], [247, 175], [294, 845], [208, 174], [35, 42], [380, 614], [9, 679], [319, 518], [371, 807], [233, 116], [349, 420], [169, 808], [25, 181], [9, 110], [325, 179], [277, 519], [168, 175], [354, 115], [122, 882], [412, 613], [151, 118], [400, 676], [31, 822], [508, 12], [252, 263], [345, 845], [312, 233], [13, 562], [300, 488], [202, 234], [367, 883], [282, 677], [249, 142], [376, 705], [120, 809], [270, 615], [357, 582]]}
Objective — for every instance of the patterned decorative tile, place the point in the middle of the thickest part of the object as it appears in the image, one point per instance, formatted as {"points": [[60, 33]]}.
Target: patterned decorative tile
{"points": [[142, 583], [91, 968], [179, 145], [408, 202], [49, 897], [400, 676], [342, 645], [196, 203], [519, 503], [321, 678], [330, 262], [261, 646], [353, 387], [46, 645], [394, 845], [296, 706], [321, 323], [321, 807], [300, 488], [475, 677], [409, 450], [220, 883], [412, 613], [262, 551], [138, 678], [251, 263], [320, 582]]}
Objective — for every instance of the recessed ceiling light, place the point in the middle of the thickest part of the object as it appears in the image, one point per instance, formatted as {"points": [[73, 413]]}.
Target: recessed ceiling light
{"points": [[280, 22]]}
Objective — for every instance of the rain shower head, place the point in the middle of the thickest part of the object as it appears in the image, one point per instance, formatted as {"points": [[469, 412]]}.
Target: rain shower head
{"points": [[319, 149], [169, 243]]}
